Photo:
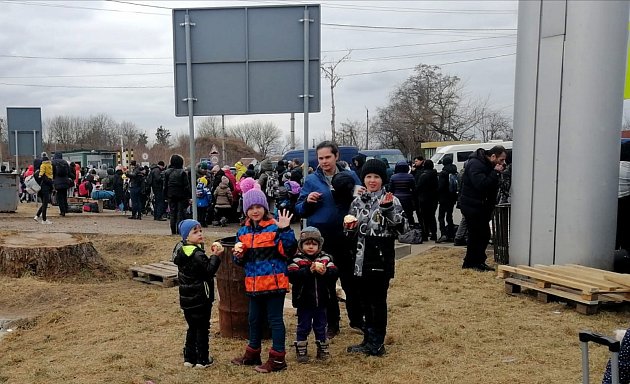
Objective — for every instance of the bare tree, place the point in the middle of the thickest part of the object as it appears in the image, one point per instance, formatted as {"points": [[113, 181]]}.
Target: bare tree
{"points": [[494, 126], [210, 127], [330, 72], [286, 144], [351, 133], [428, 106], [264, 137], [244, 132]]}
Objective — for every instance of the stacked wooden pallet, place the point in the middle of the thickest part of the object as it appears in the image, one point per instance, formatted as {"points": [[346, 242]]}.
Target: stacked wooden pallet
{"points": [[163, 273], [587, 288]]}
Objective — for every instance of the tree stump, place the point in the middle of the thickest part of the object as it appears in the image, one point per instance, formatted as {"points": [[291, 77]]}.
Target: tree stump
{"points": [[49, 255]]}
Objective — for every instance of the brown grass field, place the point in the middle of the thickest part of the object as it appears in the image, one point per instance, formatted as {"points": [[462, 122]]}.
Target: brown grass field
{"points": [[445, 326]]}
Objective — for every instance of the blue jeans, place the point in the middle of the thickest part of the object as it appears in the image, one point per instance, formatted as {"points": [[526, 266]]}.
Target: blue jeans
{"points": [[311, 317], [273, 305]]}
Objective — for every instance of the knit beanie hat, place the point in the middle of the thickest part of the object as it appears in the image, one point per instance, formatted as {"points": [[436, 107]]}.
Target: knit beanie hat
{"points": [[246, 184], [310, 233], [185, 226], [374, 166], [225, 180], [254, 197]]}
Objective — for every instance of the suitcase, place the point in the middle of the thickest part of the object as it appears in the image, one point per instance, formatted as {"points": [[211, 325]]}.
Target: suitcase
{"points": [[613, 346]]}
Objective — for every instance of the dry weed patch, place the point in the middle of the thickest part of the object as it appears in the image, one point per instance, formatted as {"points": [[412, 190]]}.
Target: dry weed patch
{"points": [[445, 326]]}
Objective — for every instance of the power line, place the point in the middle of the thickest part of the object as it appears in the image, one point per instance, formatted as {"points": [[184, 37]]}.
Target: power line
{"points": [[78, 76], [88, 60], [140, 5], [91, 87], [78, 7], [418, 44], [416, 28], [441, 64]]}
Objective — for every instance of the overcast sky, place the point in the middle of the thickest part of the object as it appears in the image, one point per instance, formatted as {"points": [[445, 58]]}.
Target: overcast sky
{"points": [[83, 58]]}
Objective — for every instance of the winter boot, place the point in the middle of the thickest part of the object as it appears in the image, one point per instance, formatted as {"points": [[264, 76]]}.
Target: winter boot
{"points": [[375, 343], [301, 351], [251, 357], [275, 362], [323, 353], [359, 348]]}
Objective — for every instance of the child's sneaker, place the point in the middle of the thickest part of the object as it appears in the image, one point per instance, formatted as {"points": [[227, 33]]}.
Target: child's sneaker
{"points": [[36, 218], [48, 222], [188, 364]]}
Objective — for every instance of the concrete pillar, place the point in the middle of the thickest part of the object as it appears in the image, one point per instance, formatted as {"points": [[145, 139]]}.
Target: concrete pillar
{"points": [[568, 109]]}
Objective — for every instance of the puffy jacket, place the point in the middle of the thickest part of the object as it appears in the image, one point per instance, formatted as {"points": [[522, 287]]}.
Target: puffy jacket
{"points": [[136, 177], [223, 196], [61, 173], [156, 178], [195, 272], [266, 249], [427, 186], [326, 214], [310, 289], [402, 183], [479, 185], [240, 170], [176, 184]]}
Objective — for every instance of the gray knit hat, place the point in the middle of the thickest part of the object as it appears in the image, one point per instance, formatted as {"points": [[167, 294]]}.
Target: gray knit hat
{"points": [[310, 233]]}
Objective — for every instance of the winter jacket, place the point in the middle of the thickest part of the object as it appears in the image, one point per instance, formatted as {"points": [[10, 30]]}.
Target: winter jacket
{"points": [[402, 183], [118, 183], [479, 186], [266, 249], [310, 289], [46, 170], [234, 186], [155, 178], [61, 172], [444, 194], [326, 214], [223, 196], [195, 273], [296, 174], [136, 177], [176, 184], [377, 229], [240, 170], [427, 186]]}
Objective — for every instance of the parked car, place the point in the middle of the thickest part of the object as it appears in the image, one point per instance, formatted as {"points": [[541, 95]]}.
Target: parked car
{"points": [[392, 155]]}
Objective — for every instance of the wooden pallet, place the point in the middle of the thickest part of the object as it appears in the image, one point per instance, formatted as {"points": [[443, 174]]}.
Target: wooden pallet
{"points": [[587, 288], [163, 273]]}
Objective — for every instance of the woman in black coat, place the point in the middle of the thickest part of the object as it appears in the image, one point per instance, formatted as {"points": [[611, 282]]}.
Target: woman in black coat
{"points": [[427, 187], [403, 186]]}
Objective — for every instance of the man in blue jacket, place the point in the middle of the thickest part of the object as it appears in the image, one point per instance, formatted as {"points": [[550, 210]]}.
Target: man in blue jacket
{"points": [[324, 208]]}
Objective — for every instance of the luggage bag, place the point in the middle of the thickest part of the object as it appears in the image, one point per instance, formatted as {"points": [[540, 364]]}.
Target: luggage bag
{"points": [[613, 346]]}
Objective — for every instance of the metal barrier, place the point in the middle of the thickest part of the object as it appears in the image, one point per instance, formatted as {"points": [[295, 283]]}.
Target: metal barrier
{"points": [[501, 233]]}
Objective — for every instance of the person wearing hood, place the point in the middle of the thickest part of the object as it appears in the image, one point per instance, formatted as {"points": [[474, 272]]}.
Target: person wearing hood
{"points": [[476, 201], [324, 204], [267, 173], [357, 163], [177, 191], [61, 181], [222, 202], [119, 189], [136, 185], [155, 179], [296, 171], [46, 184], [447, 197], [240, 170], [427, 188], [403, 186]]}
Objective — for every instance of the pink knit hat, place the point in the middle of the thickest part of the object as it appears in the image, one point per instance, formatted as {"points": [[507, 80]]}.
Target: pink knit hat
{"points": [[246, 184]]}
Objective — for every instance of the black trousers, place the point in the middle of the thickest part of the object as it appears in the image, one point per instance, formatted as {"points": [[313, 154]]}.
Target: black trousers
{"points": [[373, 295], [62, 200], [158, 203], [197, 335], [338, 248], [446, 213], [178, 212], [478, 237], [428, 217], [408, 207], [44, 194]]}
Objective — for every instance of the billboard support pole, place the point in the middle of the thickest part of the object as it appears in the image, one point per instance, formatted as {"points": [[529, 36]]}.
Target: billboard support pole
{"points": [[34, 145], [16, 150], [223, 139], [306, 96], [292, 130], [191, 123]]}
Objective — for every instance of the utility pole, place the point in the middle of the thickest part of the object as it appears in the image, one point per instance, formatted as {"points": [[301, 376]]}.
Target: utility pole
{"points": [[367, 128], [292, 130]]}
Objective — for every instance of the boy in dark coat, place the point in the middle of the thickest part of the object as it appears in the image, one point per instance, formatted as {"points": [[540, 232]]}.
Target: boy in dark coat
{"points": [[447, 197], [196, 291], [312, 273]]}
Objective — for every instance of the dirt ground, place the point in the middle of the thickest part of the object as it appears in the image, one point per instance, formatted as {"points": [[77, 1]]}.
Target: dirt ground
{"points": [[445, 325]]}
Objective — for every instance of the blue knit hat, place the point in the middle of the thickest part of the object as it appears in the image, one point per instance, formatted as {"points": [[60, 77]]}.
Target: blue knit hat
{"points": [[254, 197], [185, 226]]}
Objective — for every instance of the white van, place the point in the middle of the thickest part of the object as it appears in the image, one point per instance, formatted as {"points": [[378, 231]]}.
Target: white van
{"points": [[460, 152]]}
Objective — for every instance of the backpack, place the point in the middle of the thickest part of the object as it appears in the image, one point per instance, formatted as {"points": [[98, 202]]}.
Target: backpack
{"points": [[273, 185], [83, 191], [453, 182], [412, 236]]}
